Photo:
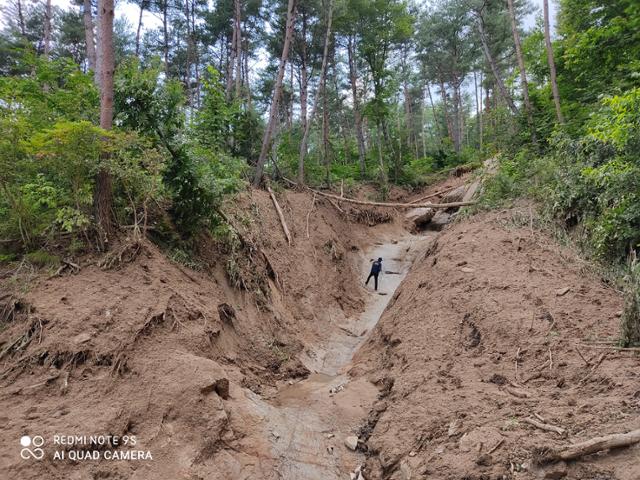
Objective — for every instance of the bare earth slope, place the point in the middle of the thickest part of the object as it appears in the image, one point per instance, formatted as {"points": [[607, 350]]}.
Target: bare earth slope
{"points": [[486, 296], [132, 351]]}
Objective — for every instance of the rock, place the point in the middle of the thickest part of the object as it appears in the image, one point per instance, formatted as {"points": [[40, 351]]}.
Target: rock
{"points": [[405, 471], [412, 453], [275, 434], [562, 291], [555, 471], [467, 270], [330, 435], [82, 338], [351, 442]]}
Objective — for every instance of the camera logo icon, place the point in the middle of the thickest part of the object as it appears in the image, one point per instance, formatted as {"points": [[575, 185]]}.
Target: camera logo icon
{"points": [[35, 452]]}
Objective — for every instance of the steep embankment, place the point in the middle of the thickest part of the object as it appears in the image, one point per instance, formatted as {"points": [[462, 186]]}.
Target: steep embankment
{"points": [[136, 350], [480, 337]]}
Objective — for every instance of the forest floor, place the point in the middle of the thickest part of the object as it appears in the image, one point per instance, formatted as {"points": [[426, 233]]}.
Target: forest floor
{"points": [[474, 330]]}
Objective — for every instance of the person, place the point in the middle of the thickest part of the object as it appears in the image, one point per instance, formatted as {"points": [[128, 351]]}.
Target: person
{"points": [[376, 267]]}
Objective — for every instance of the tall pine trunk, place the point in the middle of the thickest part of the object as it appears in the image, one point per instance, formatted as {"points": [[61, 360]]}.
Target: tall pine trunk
{"points": [[102, 197], [321, 90], [47, 29], [277, 93], [494, 67], [521, 67], [551, 61], [139, 29], [238, 46], [87, 19], [353, 78]]}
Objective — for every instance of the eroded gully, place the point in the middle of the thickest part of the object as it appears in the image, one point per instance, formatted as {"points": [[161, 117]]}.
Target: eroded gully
{"points": [[300, 433]]}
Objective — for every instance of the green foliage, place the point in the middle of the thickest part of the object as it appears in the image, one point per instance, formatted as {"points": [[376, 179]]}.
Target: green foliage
{"points": [[593, 180], [630, 321]]}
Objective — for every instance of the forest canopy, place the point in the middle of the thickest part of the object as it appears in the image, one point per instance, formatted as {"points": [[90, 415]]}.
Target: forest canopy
{"points": [[107, 123]]}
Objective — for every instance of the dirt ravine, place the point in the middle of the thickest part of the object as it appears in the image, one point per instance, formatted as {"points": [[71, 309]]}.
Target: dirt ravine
{"points": [[305, 423]]}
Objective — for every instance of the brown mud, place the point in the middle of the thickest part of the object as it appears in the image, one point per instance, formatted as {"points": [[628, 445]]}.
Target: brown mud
{"points": [[245, 369]]}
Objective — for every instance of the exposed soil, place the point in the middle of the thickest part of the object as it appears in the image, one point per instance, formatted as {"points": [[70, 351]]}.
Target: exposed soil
{"points": [[486, 295], [245, 369]]}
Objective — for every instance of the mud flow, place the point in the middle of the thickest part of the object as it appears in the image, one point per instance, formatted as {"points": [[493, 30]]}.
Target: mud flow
{"points": [[308, 423]]}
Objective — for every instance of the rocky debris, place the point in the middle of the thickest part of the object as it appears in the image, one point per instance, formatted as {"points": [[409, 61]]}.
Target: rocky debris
{"points": [[420, 216], [351, 442], [357, 474], [562, 291]]}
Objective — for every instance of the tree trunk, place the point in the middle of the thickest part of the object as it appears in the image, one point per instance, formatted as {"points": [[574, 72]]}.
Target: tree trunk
{"points": [[139, 29], [475, 91], [238, 46], [435, 116], [231, 52], [47, 29], [165, 34], [23, 30], [97, 77], [87, 18], [304, 90], [353, 78], [550, 60], [523, 72], [456, 118], [445, 106], [494, 67], [102, 197], [323, 74], [277, 92]]}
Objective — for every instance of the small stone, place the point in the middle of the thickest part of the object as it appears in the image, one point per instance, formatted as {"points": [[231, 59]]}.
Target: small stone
{"points": [[275, 434], [556, 471], [562, 291], [467, 270], [330, 435], [82, 338], [351, 442], [412, 453]]}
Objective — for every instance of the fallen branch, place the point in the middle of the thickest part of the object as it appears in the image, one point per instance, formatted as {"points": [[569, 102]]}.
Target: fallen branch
{"points": [[595, 367], [386, 204], [280, 215], [597, 444], [496, 446], [611, 347], [544, 426], [516, 392]]}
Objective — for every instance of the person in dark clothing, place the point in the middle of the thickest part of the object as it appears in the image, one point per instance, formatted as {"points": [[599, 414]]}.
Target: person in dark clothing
{"points": [[376, 267]]}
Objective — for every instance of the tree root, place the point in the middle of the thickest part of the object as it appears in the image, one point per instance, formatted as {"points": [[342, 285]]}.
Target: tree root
{"points": [[544, 455]]}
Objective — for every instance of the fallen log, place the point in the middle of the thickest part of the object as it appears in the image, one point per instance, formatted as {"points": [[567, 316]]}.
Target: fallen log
{"points": [[280, 215], [387, 204], [597, 444]]}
